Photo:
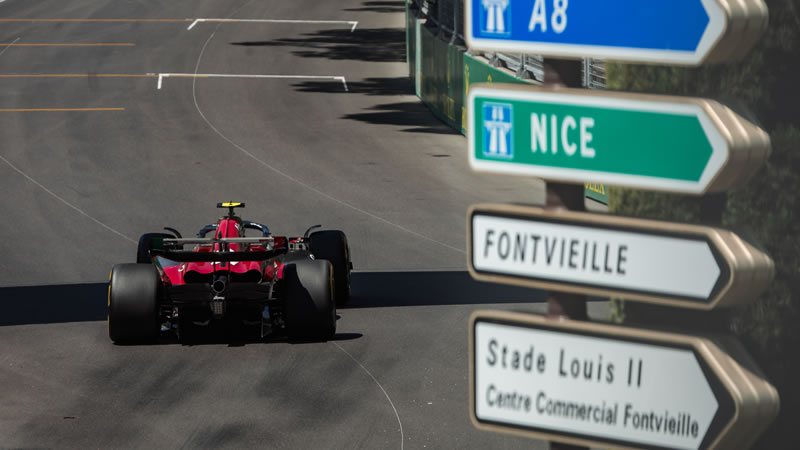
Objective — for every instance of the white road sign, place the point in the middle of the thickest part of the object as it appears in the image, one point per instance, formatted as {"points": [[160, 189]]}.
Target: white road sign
{"points": [[605, 385], [660, 262], [625, 260]]}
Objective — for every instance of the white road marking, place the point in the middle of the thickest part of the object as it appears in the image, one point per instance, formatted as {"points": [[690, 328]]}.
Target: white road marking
{"points": [[230, 75], [295, 180], [402, 439], [353, 23], [57, 197], [9, 45]]}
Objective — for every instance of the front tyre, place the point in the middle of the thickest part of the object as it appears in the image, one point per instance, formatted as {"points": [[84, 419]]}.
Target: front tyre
{"points": [[307, 294], [133, 303], [332, 246]]}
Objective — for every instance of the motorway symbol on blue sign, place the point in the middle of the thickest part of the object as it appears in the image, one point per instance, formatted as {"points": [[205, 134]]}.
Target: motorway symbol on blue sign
{"points": [[676, 31]]}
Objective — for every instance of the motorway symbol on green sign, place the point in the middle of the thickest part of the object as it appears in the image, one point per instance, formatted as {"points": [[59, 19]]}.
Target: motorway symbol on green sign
{"points": [[674, 144]]}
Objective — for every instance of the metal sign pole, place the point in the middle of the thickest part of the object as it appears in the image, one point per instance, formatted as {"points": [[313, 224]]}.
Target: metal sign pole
{"points": [[561, 196], [561, 305]]}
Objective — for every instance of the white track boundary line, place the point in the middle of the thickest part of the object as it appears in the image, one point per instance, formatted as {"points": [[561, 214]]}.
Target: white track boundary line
{"points": [[161, 76], [62, 200], [402, 438], [293, 179], [353, 23], [12, 43]]}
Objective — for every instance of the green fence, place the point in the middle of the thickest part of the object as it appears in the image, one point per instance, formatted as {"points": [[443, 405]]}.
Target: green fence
{"points": [[597, 192], [442, 78], [442, 73]]}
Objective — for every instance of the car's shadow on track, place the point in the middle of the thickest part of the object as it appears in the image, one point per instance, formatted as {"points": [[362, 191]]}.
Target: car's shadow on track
{"points": [[238, 339], [421, 288], [24, 305]]}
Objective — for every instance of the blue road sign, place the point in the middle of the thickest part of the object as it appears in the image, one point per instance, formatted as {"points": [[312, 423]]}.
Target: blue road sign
{"points": [[674, 31]]}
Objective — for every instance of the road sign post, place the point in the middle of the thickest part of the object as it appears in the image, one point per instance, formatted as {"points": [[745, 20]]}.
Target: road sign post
{"points": [[594, 384], [581, 383], [664, 263], [682, 32], [675, 144], [558, 196]]}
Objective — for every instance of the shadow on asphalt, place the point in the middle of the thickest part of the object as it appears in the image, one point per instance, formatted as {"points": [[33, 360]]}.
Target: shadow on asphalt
{"points": [[53, 303], [396, 6], [87, 302], [363, 44], [239, 337], [369, 86], [382, 289], [413, 115]]}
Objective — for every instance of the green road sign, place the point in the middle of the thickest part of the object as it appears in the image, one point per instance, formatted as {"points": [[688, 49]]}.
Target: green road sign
{"points": [[674, 144]]}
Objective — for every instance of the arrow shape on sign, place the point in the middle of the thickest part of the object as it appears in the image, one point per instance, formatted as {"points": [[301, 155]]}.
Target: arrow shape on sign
{"points": [[676, 144], [671, 32], [657, 262], [594, 384], [646, 263]]}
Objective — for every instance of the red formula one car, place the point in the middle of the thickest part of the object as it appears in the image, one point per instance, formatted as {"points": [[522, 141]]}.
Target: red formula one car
{"points": [[267, 284]]}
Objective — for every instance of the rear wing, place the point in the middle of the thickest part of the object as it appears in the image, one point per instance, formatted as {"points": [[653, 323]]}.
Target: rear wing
{"points": [[172, 249], [169, 242], [183, 256]]}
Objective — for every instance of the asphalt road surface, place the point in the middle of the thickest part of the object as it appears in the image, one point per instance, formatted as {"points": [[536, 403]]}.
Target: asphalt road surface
{"points": [[313, 122]]}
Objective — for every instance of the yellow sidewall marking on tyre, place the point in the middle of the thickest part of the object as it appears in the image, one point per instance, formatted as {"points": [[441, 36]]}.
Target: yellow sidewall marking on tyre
{"points": [[108, 311]]}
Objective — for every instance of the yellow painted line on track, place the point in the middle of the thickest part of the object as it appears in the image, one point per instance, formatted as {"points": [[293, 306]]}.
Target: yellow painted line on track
{"points": [[99, 44], [60, 109]]}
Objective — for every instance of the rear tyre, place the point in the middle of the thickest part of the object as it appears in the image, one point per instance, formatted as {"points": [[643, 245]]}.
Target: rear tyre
{"points": [[307, 295], [332, 246], [146, 244], [133, 304]]}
